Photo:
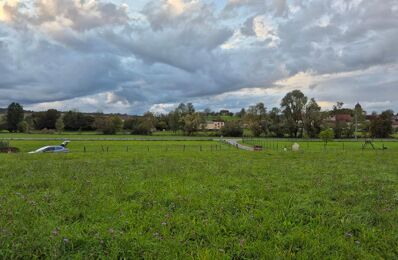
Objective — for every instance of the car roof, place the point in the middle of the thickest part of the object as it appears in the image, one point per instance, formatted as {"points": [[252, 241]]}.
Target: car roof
{"points": [[50, 146]]}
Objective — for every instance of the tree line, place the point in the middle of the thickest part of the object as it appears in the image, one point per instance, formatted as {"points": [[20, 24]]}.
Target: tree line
{"points": [[298, 117]]}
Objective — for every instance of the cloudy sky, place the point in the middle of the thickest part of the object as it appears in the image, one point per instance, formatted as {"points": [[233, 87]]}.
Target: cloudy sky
{"points": [[130, 56]]}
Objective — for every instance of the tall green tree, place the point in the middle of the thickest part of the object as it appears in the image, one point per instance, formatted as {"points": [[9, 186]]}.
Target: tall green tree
{"points": [[293, 105], [312, 119], [173, 120], [46, 119], [256, 119], [381, 125], [108, 125], [75, 120], [59, 125], [192, 123], [276, 124], [15, 115], [190, 108]]}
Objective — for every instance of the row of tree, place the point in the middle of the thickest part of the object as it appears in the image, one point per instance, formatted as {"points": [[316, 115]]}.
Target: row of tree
{"points": [[296, 117]]}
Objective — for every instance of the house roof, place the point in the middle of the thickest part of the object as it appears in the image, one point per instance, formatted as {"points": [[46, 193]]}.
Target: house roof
{"points": [[344, 117]]}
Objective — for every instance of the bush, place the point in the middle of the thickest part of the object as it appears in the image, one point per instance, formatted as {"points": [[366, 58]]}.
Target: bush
{"points": [[23, 127], [4, 144], [232, 129], [326, 135], [108, 125], [47, 131]]}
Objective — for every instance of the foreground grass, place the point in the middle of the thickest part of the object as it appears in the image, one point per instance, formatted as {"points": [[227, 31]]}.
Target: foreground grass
{"points": [[210, 204]]}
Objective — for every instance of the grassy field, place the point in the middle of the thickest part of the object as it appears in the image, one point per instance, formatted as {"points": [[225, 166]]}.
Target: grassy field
{"points": [[201, 200], [319, 146], [94, 135]]}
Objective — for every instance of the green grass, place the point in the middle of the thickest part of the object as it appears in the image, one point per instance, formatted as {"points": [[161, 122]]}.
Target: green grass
{"points": [[94, 135], [319, 146], [169, 203]]}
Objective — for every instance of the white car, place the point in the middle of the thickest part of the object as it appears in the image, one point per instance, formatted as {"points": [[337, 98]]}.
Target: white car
{"points": [[53, 148]]}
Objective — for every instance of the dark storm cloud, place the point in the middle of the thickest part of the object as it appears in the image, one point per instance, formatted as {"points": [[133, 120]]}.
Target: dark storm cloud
{"points": [[179, 50]]}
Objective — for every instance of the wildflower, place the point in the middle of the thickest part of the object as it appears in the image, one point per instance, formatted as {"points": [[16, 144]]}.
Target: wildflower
{"points": [[55, 232]]}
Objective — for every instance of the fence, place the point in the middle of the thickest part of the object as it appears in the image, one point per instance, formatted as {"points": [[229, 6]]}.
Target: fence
{"points": [[151, 148], [318, 145]]}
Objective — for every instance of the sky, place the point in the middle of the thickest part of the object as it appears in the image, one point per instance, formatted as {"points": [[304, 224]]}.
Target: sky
{"points": [[131, 56]]}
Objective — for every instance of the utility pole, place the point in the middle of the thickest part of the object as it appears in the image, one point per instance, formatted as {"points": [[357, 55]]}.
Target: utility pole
{"points": [[356, 124]]}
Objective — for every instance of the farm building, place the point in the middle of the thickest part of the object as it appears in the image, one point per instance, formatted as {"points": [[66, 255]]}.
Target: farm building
{"points": [[395, 122], [214, 125]]}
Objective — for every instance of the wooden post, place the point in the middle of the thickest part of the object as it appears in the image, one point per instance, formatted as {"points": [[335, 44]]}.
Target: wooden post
{"points": [[84, 148]]}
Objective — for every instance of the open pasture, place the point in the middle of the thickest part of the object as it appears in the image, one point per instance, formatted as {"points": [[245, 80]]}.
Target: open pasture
{"points": [[164, 202], [319, 146]]}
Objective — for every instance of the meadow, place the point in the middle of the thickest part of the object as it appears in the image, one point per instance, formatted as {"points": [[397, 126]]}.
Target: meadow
{"points": [[199, 199]]}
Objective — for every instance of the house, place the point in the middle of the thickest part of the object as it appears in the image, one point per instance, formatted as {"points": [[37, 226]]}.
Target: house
{"points": [[395, 122], [344, 118], [340, 118], [214, 125], [225, 112]]}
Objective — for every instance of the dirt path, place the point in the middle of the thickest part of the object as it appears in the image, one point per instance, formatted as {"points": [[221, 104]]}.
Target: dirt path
{"points": [[234, 142]]}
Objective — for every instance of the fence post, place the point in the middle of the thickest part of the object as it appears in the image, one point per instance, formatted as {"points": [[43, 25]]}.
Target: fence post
{"points": [[84, 148]]}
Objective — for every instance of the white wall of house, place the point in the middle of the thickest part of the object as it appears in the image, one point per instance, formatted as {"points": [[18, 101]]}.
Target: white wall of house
{"points": [[217, 125]]}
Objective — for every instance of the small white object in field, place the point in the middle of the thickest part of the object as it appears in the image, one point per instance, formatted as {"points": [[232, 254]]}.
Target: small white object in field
{"points": [[285, 149], [295, 147]]}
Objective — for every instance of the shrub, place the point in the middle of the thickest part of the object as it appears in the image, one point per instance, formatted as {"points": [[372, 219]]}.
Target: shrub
{"points": [[326, 135], [23, 127], [4, 144], [108, 125], [232, 129]]}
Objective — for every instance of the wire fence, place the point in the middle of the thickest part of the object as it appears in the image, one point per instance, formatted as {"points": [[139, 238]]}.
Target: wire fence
{"points": [[318, 145]]}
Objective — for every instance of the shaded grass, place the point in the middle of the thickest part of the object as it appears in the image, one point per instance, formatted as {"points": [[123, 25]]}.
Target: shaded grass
{"points": [[220, 204]]}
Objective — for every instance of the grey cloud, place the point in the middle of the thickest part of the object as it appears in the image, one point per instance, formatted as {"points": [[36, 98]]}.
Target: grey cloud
{"points": [[62, 50]]}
